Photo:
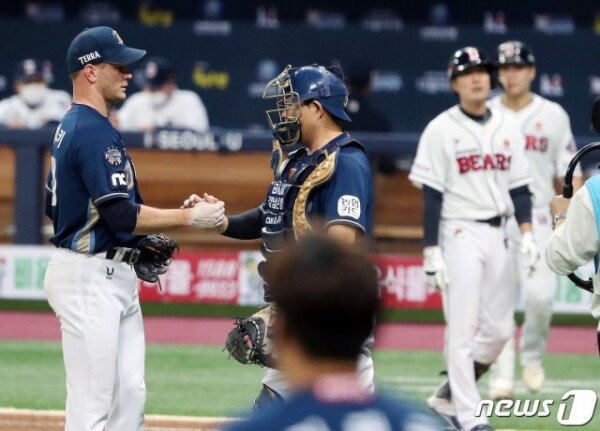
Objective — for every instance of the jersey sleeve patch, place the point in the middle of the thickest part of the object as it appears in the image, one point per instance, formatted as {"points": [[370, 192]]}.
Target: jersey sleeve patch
{"points": [[348, 206], [118, 180], [113, 156]]}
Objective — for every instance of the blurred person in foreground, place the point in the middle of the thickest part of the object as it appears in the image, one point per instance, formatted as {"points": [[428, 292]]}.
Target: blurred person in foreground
{"points": [[34, 104], [327, 301], [162, 104]]}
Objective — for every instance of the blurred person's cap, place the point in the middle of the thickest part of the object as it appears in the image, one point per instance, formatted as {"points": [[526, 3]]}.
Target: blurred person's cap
{"points": [[157, 71], [100, 45], [31, 69]]}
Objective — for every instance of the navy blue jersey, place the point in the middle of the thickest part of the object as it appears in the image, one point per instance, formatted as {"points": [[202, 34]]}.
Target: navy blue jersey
{"points": [[89, 166], [346, 198], [305, 412]]}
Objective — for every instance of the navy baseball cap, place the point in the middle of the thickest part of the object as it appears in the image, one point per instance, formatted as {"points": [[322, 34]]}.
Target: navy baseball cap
{"points": [[100, 45], [32, 69], [157, 71]]}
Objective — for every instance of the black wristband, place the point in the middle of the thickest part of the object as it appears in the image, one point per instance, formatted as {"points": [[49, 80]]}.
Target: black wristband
{"points": [[521, 198], [432, 214]]}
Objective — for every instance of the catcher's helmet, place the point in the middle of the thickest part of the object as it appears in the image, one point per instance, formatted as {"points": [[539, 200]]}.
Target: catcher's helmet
{"points": [[514, 52], [300, 84], [466, 58]]}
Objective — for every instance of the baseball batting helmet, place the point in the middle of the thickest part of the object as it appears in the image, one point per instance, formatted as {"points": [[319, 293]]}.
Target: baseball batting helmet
{"points": [[467, 58], [296, 85], [514, 52]]}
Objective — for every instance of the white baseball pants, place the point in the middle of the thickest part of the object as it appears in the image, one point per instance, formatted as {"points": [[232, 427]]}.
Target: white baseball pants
{"points": [[478, 306], [97, 303], [537, 291]]}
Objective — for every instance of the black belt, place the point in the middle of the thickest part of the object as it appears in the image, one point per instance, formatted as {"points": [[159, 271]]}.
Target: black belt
{"points": [[123, 254], [494, 221]]}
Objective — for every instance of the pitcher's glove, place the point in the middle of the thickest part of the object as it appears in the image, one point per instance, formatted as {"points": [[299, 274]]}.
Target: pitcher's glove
{"points": [[248, 342], [156, 253]]}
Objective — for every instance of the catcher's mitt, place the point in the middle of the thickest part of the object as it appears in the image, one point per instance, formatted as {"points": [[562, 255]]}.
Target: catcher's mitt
{"points": [[249, 343], [156, 253]]}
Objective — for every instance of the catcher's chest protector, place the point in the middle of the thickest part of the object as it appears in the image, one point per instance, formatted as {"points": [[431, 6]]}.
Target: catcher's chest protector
{"points": [[286, 209]]}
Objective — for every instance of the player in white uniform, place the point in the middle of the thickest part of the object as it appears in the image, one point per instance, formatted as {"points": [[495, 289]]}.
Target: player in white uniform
{"points": [[33, 105], [472, 168], [549, 146], [162, 103]]}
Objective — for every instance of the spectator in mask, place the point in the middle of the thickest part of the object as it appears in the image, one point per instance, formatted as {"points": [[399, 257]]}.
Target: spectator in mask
{"points": [[162, 104], [34, 104]]}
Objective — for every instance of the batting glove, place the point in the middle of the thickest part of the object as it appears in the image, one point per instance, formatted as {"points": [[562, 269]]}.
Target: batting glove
{"points": [[436, 272], [530, 252]]}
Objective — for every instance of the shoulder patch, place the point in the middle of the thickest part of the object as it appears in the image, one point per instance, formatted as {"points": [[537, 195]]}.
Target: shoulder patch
{"points": [[113, 156], [349, 206]]}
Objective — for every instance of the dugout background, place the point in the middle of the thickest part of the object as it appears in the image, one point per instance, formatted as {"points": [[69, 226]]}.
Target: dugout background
{"points": [[229, 68]]}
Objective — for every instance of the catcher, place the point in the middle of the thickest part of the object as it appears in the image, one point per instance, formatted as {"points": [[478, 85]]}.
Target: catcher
{"points": [[327, 179]]}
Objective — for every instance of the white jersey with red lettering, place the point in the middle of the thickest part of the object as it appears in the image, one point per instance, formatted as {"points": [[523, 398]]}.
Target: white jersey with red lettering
{"points": [[549, 147], [549, 143], [474, 165]]}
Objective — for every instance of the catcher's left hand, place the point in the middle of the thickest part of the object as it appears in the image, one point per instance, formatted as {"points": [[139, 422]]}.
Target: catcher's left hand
{"points": [[249, 342], [156, 253]]}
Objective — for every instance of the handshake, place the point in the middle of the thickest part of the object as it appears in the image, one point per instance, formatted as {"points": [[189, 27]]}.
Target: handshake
{"points": [[205, 212]]}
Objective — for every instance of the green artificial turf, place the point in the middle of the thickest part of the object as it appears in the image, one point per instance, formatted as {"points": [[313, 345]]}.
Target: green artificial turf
{"points": [[201, 381]]}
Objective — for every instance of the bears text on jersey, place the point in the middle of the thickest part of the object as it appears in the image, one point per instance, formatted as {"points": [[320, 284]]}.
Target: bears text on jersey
{"points": [[485, 162]]}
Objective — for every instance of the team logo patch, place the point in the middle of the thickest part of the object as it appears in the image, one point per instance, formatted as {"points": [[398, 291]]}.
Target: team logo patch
{"points": [[113, 156], [349, 206]]}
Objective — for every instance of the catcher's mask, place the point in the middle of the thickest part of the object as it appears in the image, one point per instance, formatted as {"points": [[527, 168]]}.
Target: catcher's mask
{"points": [[296, 85]]}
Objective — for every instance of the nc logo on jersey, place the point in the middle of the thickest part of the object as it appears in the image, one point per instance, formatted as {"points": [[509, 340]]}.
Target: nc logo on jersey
{"points": [[348, 206], [118, 179], [113, 156]]}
